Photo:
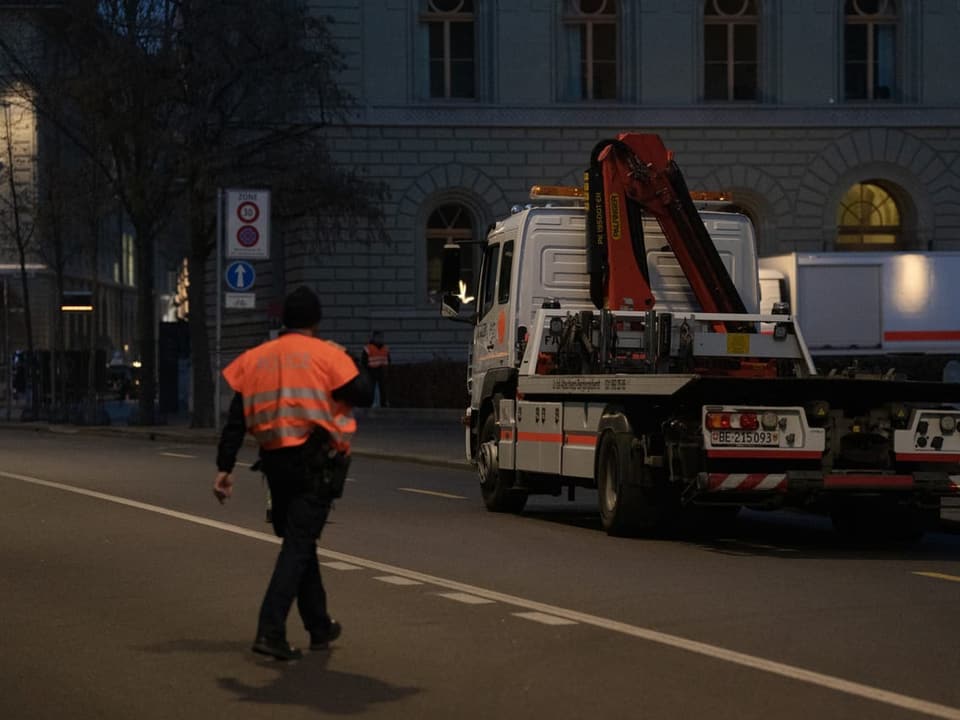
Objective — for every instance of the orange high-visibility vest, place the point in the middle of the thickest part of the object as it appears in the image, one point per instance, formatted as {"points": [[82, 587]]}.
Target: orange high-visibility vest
{"points": [[286, 386], [377, 357]]}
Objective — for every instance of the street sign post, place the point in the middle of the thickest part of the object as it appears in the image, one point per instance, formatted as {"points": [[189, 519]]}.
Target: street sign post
{"points": [[243, 230], [247, 215], [240, 301], [240, 276]]}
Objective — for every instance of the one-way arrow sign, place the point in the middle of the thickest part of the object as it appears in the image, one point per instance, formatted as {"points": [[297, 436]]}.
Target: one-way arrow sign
{"points": [[240, 276]]}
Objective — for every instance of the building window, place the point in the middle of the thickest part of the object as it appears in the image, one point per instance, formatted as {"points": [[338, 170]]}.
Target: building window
{"points": [[129, 260], [449, 224], [592, 49], [868, 219], [125, 267], [730, 50], [870, 50], [450, 25]]}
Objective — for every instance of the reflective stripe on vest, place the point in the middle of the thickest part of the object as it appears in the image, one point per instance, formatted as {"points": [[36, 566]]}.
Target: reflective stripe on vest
{"points": [[377, 357]]}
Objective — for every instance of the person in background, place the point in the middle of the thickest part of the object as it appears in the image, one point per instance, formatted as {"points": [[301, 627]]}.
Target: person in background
{"points": [[295, 395], [376, 359]]}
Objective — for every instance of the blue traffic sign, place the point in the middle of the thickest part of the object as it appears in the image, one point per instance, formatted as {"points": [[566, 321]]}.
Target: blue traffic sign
{"points": [[240, 276]]}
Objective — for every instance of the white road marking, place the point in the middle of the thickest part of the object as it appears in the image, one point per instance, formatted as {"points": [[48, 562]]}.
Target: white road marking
{"points": [[544, 618], [242, 464], [939, 576], [351, 479], [466, 598], [337, 565], [397, 580], [791, 672], [434, 493], [180, 455]]}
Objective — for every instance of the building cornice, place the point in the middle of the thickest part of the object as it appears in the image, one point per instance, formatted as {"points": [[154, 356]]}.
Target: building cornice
{"points": [[622, 116]]}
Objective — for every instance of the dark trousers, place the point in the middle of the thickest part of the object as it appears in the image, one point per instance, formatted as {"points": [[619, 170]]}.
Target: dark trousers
{"points": [[378, 379], [298, 517]]}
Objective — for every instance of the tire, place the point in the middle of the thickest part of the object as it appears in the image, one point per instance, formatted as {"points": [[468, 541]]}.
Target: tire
{"points": [[626, 507], [496, 485]]}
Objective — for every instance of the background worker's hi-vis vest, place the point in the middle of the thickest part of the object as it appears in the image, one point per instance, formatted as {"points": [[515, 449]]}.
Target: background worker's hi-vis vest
{"points": [[286, 386], [377, 357]]}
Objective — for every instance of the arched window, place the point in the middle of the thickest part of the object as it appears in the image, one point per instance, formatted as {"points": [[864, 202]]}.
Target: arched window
{"points": [[868, 219], [870, 50], [449, 224], [450, 24], [591, 49], [731, 50]]}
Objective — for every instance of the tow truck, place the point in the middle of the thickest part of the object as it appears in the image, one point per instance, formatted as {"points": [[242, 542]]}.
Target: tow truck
{"points": [[617, 346]]}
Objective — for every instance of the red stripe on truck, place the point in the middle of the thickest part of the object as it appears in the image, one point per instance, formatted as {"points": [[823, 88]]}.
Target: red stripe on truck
{"points": [[587, 440], [760, 454], [859, 481], [921, 335], [929, 457], [539, 437]]}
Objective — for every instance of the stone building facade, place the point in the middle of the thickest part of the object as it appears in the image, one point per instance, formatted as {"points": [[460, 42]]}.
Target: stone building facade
{"points": [[834, 123]]}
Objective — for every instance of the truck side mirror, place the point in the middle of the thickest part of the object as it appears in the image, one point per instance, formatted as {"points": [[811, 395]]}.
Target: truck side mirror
{"points": [[451, 306], [450, 273]]}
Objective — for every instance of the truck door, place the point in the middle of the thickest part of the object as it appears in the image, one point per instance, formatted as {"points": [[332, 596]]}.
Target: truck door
{"points": [[494, 331]]}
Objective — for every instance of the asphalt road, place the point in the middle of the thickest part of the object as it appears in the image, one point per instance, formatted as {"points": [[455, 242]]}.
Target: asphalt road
{"points": [[126, 591]]}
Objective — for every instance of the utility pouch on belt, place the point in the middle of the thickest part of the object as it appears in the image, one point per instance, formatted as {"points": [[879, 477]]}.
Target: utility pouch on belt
{"points": [[326, 468]]}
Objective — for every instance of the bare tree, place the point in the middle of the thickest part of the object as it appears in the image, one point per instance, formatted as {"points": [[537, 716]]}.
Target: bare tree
{"points": [[257, 98], [17, 218], [190, 95], [105, 79]]}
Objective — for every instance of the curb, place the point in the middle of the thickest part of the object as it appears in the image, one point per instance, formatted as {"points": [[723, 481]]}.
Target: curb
{"points": [[204, 438]]}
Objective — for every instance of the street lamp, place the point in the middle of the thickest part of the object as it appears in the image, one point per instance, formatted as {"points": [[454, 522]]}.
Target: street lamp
{"points": [[76, 301]]}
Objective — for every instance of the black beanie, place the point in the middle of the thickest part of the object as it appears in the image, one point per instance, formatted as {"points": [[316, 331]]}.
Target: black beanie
{"points": [[301, 309]]}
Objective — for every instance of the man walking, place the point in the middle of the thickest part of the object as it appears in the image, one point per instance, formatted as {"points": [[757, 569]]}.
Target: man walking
{"points": [[294, 395]]}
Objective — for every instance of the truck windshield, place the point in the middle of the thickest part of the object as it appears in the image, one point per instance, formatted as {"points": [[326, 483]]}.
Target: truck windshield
{"points": [[489, 277], [506, 265]]}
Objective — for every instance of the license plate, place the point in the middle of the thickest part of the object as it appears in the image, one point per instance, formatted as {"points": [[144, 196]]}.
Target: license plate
{"points": [[750, 438]]}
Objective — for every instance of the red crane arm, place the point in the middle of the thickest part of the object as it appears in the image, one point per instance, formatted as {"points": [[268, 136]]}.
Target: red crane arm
{"points": [[632, 172]]}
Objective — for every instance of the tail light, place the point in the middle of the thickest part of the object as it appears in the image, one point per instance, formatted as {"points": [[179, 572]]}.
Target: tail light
{"points": [[736, 421], [718, 421]]}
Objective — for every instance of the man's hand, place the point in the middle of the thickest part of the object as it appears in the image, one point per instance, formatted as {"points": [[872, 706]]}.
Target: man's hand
{"points": [[223, 486]]}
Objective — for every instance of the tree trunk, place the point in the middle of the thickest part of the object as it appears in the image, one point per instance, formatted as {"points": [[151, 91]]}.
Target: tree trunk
{"points": [[33, 363], [203, 411], [147, 321], [202, 373]]}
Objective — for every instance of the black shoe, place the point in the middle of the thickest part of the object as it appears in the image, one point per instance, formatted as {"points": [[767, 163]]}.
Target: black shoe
{"points": [[319, 641], [278, 649]]}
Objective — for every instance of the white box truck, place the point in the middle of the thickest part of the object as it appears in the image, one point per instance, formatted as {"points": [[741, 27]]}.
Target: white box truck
{"points": [[897, 310]]}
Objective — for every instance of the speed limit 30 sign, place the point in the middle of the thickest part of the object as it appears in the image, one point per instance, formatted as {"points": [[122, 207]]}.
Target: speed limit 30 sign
{"points": [[248, 224]]}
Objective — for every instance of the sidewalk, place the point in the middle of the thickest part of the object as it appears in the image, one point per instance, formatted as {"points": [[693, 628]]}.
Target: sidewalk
{"points": [[433, 437]]}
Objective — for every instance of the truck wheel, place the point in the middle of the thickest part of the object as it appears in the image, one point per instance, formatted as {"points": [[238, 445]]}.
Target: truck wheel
{"points": [[496, 485], [626, 508]]}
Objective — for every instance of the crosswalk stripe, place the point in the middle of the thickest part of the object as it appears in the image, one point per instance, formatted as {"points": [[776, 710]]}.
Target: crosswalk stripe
{"points": [[466, 598], [397, 580], [544, 618]]}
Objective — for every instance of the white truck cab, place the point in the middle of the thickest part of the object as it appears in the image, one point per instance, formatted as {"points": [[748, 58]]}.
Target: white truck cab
{"points": [[537, 257]]}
